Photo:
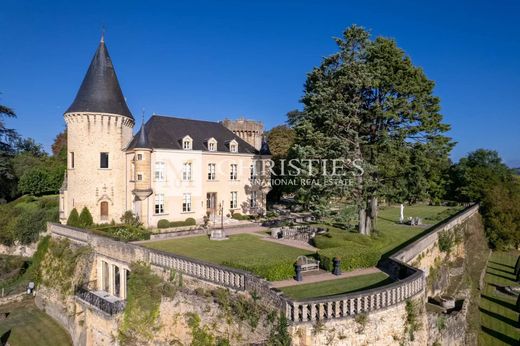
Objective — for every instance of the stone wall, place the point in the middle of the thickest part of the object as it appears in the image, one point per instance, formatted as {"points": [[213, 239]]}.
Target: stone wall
{"points": [[19, 250], [375, 316]]}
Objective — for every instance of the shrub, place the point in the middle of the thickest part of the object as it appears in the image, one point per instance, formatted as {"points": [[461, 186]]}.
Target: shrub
{"points": [[350, 258], [130, 219], [190, 221], [73, 219], [280, 270], [163, 223], [85, 218], [446, 241], [142, 307], [123, 232], [238, 216]]}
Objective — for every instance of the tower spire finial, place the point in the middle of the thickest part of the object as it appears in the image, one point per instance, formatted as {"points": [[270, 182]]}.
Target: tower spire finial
{"points": [[102, 34]]}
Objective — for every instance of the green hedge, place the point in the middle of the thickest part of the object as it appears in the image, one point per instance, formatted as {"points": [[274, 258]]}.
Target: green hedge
{"points": [[163, 223], [238, 216], [350, 258], [271, 271]]}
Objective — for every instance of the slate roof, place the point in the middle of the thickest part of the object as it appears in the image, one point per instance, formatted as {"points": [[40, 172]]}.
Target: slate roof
{"points": [[142, 139], [163, 132], [100, 90]]}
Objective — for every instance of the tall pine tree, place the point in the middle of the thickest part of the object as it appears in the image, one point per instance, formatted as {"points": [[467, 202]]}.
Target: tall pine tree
{"points": [[368, 102]]}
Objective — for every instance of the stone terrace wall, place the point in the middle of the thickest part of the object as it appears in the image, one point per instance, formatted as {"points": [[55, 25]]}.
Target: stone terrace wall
{"points": [[235, 279], [410, 281]]}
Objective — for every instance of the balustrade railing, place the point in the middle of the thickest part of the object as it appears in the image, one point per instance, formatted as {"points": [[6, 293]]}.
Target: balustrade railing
{"points": [[111, 308]]}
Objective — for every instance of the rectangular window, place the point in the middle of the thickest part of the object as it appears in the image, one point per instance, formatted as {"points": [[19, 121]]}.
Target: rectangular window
{"points": [[252, 172], [211, 171], [186, 202], [212, 146], [103, 160], [139, 157], [234, 200], [253, 199], [139, 176], [159, 203], [159, 171], [71, 159], [186, 171], [233, 174]]}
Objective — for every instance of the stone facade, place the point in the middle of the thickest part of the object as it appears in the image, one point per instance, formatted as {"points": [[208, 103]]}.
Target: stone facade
{"points": [[101, 190]]}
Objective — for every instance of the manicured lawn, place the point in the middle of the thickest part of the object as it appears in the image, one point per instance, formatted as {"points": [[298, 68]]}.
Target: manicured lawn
{"points": [[334, 287], [498, 319], [29, 326], [389, 235], [245, 251]]}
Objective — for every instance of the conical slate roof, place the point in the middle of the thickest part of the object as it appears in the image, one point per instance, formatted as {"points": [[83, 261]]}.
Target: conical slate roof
{"points": [[142, 139], [100, 91]]}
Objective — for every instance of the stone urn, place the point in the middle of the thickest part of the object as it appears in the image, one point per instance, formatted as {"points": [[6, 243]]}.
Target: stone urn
{"points": [[298, 272], [336, 262]]}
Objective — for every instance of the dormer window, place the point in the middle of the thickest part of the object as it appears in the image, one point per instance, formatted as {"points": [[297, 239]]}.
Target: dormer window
{"points": [[212, 144], [187, 143], [233, 146]]}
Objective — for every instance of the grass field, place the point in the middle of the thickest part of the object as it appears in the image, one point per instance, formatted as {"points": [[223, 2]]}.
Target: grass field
{"points": [[389, 235], [245, 251], [334, 287], [498, 320], [26, 325]]}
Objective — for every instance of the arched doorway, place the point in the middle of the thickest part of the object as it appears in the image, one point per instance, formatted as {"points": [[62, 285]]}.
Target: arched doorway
{"points": [[104, 211]]}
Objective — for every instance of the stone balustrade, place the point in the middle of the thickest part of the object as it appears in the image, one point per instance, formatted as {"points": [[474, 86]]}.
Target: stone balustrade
{"points": [[409, 281], [111, 308], [220, 275]]}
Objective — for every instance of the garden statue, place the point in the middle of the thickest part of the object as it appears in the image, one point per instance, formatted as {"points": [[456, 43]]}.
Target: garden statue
{"points": [[401, 218]]}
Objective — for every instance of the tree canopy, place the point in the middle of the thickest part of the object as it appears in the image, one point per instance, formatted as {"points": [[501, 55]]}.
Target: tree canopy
{"points": [[368, 102]]}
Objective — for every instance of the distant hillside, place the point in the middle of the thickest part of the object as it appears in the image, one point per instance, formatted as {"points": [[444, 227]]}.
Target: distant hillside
{"points": [[517, 170]]}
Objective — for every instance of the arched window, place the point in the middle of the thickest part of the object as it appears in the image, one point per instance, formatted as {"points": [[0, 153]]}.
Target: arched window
{"points": [[104, 211]]}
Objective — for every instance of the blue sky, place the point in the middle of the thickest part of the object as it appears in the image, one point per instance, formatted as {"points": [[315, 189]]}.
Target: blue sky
{"points": [[211, 60]]}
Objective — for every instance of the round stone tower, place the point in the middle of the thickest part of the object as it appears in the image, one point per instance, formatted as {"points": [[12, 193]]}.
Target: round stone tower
{"points": [[99, 128]]}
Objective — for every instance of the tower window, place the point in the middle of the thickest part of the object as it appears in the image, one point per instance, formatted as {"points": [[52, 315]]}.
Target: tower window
{"points": [[103, 160], [139, 177], [139, 157], [71, 159]]}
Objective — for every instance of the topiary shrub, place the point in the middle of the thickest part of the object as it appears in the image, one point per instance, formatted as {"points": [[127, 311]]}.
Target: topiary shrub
{"points": [[163, 223], [190, 222], [85, 218], [238, 216], [73, 219]]}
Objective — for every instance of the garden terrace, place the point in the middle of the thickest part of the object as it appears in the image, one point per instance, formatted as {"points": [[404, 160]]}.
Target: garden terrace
{"points": [[243, 251]]}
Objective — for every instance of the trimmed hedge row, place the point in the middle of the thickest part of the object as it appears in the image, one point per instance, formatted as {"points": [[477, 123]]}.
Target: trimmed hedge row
{"points": [[280, 270], [238, 216], [163, 223], [350, 258]]}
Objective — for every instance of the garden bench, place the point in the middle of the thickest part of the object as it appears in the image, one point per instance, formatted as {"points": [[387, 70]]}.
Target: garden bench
{"points": [[307, 263]]}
